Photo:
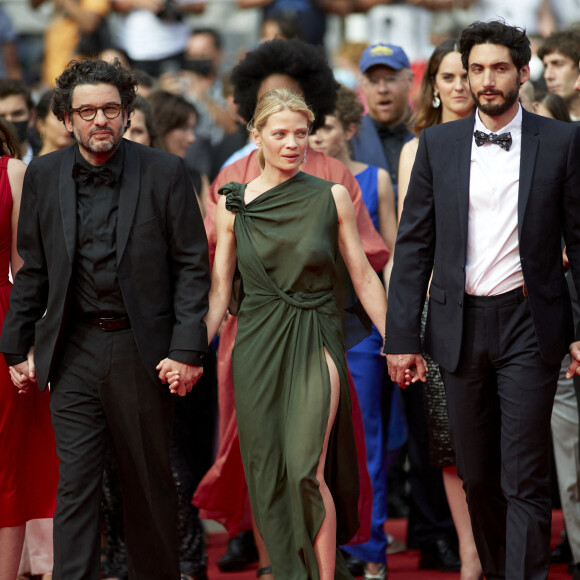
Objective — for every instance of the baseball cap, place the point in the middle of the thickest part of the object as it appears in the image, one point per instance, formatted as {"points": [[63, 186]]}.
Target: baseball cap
{"points": [[386, 54]]}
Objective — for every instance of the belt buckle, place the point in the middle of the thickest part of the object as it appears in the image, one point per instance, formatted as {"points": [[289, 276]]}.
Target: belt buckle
{"points": [[103, 323]]}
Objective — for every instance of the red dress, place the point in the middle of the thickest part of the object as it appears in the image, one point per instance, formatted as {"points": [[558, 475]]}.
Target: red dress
{"points": [[28, 462]]}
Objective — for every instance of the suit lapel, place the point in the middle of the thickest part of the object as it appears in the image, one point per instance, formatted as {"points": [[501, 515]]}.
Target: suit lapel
{"points": [[129, 196], [530, 142], [462, 167], [67, 192]]}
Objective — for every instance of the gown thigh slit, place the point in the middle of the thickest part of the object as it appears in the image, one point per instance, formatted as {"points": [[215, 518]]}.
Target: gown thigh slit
{"points": [[287, 251]]}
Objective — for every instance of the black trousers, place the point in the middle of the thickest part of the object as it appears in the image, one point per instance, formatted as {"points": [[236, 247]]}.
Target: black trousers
{"points": [[102, 391], [500, 403]]}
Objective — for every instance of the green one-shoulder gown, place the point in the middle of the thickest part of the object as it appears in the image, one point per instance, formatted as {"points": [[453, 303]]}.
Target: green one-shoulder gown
{"points": [[287, 252]]}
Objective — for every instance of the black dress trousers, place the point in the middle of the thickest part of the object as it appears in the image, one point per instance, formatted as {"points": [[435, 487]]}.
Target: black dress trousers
{"points": [[102, 390], [500, 404]]}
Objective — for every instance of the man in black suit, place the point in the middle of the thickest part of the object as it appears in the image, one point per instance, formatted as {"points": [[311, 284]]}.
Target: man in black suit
{"points": [[489, 200], [109, 308]]}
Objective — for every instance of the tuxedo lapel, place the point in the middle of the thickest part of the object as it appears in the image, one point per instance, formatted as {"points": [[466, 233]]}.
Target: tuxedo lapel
{"points": [[67, 192], [462, 168], [530, 142], [129, 196]]}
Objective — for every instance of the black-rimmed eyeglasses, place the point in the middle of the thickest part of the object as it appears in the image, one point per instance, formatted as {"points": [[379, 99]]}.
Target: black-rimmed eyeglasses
{"points": [[111, 111]]}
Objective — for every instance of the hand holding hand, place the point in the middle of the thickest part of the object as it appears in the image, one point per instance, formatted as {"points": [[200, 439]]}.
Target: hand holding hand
{"points": [[574, 366], [180, 376], [405, 369], [23, 375]]}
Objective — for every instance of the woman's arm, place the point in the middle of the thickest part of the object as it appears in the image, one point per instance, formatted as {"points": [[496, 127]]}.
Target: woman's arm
{"points": [[16, 171], [364, 279], [224, 266], [406, 160], [388, 222]]}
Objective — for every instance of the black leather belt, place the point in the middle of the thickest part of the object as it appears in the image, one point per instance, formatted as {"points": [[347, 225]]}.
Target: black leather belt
{"points": [[109, 323]]}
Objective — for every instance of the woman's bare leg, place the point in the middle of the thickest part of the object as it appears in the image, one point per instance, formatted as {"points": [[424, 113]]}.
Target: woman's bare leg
{"points": [[325, 542], [263, 559], [470, 565], [11, 542]]}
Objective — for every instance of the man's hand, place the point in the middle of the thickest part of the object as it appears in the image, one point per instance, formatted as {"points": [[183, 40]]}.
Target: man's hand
{"points": [[574, 366], [23, 375], [405, 369], [180, 376]]}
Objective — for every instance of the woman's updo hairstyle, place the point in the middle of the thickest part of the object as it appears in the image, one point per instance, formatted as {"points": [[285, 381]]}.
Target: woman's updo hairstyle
{"points": [[276, 101]]}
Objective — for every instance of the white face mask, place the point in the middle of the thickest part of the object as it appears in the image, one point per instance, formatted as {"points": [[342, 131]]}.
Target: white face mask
{"points": [[346, 77]]}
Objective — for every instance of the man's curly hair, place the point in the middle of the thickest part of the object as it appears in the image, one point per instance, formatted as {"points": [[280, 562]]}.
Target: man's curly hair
{"points": [[93, 72], [303, 62]]}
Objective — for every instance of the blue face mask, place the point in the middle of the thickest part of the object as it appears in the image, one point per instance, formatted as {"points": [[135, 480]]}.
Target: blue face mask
{"points": [[346, 77], [21, 129]]}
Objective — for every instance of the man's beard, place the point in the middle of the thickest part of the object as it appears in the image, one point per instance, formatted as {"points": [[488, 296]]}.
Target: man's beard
{"points": [[99, 147], [494, 110]]}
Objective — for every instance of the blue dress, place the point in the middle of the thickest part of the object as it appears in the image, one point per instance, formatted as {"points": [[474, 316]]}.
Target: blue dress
{"points": [[367, 367]]}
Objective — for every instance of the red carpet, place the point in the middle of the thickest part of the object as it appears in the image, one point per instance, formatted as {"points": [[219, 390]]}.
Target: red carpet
{"points": [[401, 566]]}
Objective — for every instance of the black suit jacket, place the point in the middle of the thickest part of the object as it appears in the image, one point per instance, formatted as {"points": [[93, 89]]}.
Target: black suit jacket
{"points": [[433, 237], [162, 258]]}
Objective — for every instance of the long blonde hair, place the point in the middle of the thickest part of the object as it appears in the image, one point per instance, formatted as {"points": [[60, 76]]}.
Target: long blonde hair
{"points": [[276, 101]]}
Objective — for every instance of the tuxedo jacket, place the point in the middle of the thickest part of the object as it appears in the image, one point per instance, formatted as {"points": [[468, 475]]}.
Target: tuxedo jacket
{"points": [[162, 261], [433, 238]]}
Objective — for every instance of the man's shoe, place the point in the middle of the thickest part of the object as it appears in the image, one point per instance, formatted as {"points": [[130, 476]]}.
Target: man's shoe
{"points": [[562, 554], [240, 554], [440, 556], [575, 571]]}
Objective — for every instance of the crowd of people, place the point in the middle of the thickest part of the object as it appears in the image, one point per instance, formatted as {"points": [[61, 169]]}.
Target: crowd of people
{"points": [[151, 395]]}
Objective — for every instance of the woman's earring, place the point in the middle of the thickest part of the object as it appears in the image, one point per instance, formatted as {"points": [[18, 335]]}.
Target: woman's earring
{"points": [[436, 102]]}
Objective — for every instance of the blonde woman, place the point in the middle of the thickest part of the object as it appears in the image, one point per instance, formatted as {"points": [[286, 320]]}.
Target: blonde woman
{"points": [[286, 230]]}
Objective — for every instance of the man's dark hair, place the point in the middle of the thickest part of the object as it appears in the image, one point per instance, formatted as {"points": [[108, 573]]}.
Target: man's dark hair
{"points": [[566, 42], [9, 87], [93, 72], [216, 37], [496, 32], [303, 62]]}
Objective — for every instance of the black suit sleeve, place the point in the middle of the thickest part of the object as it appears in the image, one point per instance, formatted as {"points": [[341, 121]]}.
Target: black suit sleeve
{"points": [[571, 209], [413, 262], [28, 298], [189, 265]]}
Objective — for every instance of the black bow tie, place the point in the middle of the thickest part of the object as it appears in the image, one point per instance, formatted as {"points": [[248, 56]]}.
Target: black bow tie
{"points": [[504, 140], [85, 175]]}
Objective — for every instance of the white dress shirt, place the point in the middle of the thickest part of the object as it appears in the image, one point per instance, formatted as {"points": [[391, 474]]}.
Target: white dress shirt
{"points": [[493, 256]]}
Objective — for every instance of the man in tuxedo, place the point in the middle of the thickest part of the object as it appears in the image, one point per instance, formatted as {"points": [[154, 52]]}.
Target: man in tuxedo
{"points": [[109, 308], [489, 200], [386, 83]]}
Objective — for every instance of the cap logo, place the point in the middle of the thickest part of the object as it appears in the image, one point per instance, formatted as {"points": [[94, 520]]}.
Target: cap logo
{"points": [[381, 50]]}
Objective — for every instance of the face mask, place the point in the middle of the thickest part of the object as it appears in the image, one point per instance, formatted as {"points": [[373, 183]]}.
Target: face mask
{"points": [[346, 77], [203, 67], [21, 128]]}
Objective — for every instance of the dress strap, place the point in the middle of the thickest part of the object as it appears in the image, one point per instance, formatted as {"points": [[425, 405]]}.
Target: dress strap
{"points": [[4, 161]]}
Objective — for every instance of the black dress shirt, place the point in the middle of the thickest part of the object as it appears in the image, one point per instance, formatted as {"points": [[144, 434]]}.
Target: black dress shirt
{"points": [[96, 290], [393, 141]]}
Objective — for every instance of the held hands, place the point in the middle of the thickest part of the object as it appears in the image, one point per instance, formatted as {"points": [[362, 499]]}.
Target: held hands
{"points": [[406, 369], [23, 375], [574, 366], [180, 376]]}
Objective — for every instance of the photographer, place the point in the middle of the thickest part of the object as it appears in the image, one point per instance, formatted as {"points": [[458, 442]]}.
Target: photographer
{"points": [[154, 34]]}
